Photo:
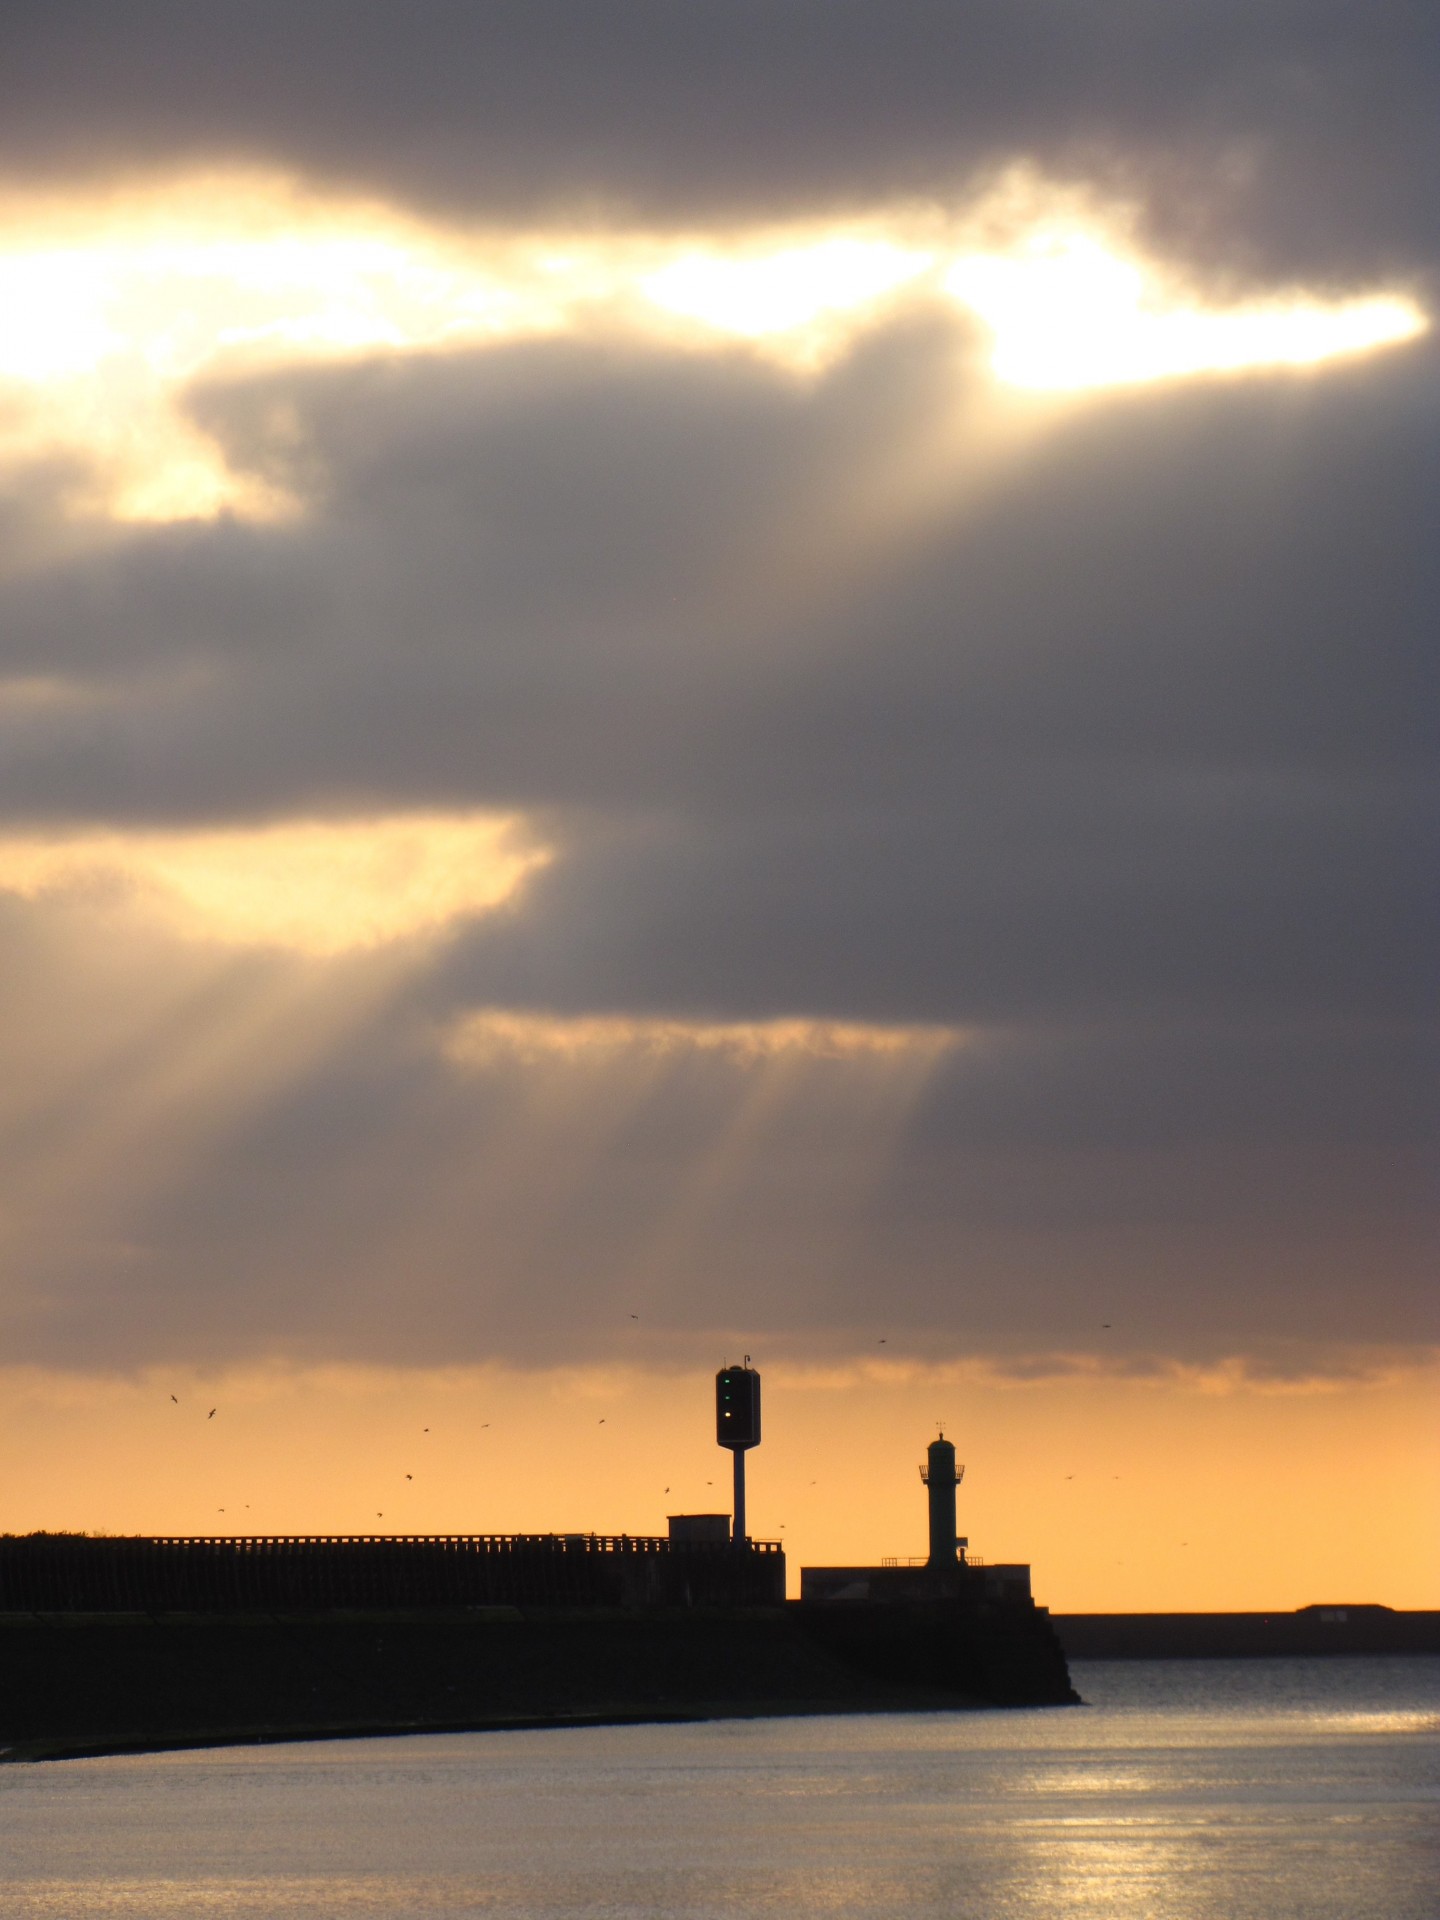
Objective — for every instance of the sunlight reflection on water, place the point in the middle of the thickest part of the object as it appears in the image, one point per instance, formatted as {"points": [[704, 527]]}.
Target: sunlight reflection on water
{"points": [[1265, 1790]]}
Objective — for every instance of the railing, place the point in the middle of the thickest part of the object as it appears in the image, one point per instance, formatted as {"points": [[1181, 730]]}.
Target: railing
{"points": [[967, 1559], [78, 1573], [474, 1542]]}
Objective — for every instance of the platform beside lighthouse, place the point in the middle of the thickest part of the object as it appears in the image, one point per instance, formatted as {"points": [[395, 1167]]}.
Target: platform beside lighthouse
{"points": [[917, 1581]]}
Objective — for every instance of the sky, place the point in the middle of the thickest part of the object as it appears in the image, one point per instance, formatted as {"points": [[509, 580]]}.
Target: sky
{"points": [[751, 676]]}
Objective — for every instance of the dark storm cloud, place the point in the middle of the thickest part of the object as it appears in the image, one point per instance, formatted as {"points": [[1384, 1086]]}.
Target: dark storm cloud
{"points": [[563, 577], [1120, 755], [1045, 892], [1144, 721], [1277, 135]]}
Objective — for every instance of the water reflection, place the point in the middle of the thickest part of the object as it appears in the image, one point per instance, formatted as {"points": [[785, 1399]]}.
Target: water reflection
{"points": [[1150, 1805]]}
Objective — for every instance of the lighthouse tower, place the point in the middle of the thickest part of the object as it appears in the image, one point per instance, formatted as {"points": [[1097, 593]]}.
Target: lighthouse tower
{"points": [[942, 1477]]}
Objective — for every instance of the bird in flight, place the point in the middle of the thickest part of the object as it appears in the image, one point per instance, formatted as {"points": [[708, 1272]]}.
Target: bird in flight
{"points": [[409, 1476], [602, 1420], [212, 1413], [883, 1341], [634, 1316], [173, 1398]]}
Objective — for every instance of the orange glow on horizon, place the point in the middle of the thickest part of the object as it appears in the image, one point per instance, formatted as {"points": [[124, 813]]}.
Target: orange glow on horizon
{"points": [[1124, 1495]]}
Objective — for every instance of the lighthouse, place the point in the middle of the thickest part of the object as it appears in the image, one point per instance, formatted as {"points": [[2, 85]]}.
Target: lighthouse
{"points": [[942, 1477]]}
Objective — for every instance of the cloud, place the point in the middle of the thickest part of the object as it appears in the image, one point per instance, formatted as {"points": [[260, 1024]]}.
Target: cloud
{"points": [[489, 1035], [782, 838], [113, 308], [214, 1158], [1108, 751], [702, 552], [1260, 131], [319, 887]]}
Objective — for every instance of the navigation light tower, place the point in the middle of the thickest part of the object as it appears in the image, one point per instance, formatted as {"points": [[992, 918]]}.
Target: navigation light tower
{"points": [[737, 1426]]}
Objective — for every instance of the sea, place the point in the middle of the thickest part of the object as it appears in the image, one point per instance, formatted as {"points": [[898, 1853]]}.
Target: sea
{"points": [[1182, 1790]]}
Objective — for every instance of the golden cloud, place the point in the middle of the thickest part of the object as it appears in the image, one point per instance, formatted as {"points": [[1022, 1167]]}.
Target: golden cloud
{"points": [[111, 307], [317, 887], [494, 1035]]}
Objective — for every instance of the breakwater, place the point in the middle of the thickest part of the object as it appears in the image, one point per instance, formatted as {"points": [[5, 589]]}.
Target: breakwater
{"points": [[78, 1683], [108, 1643]]}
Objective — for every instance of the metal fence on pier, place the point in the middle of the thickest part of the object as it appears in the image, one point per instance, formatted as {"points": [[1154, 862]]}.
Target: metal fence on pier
{"points": [[78, 1573]]}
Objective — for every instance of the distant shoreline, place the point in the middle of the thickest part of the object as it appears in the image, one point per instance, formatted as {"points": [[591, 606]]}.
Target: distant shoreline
{"points": [[1315, 1631]]}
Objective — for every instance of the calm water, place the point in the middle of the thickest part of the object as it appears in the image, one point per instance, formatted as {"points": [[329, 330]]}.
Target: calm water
{"points": [[1254, 1790]]}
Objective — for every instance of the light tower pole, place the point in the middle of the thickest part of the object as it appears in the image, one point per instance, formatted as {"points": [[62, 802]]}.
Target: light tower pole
{"points": [[737, 1426]]}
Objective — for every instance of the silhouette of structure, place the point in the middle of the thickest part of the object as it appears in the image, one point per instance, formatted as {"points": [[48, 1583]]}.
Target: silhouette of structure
{"points": [[109, 1644], [737, 1426], [941, 1477], [59, 1573], [948, 1572], [702, 1529]]}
